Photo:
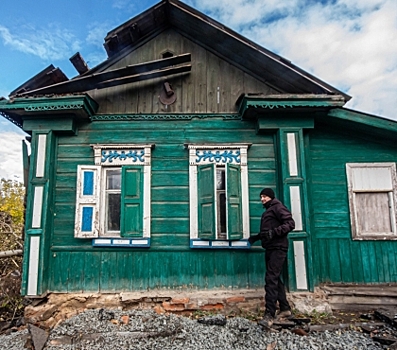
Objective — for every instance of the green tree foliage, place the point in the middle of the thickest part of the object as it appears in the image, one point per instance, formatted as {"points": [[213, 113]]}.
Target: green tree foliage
{"points": [[11, 227], [12, 202]]}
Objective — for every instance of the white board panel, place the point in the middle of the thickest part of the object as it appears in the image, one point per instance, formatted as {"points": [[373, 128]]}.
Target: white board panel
{"points": [[292, 158], [40, 164], [296, 207], [33, 271], [300, 265], [37, 206]]}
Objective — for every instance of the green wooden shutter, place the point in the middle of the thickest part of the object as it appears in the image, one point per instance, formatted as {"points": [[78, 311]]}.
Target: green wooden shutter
{"points": [[233, 200], [131, 221], [206, 201]]}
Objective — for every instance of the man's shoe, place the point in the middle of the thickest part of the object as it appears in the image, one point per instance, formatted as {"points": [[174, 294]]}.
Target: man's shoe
{"points": [[284, 314], [267, 321]]}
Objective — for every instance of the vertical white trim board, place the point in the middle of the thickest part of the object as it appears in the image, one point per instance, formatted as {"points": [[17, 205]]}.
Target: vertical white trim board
{"points": [[146, 200], [33, 273], [193, 202], [292, 159], [296, 207], [37, 206], [300, 265], [245, 202], [40, 164]]}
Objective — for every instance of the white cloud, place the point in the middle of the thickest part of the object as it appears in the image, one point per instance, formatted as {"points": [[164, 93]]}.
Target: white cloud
{"points": [[51, 43], [96, 33], [350, 44], [125, 5], [11, 151]]}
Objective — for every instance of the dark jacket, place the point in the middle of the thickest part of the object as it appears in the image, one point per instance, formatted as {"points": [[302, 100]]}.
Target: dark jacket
{"points": [[278, 219]]}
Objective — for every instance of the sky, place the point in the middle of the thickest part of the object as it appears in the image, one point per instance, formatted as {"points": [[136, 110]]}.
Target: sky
{"points": [[350, 44]]}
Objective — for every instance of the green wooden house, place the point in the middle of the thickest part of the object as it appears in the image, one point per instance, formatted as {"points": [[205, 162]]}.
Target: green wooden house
{"points": [[145, 171]]}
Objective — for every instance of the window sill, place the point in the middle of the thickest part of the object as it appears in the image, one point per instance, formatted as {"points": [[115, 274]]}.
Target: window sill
{"points": [[219, 244], [121, 242], [372, 237]]}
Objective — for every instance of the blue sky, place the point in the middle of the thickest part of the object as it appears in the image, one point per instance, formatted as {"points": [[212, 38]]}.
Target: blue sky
{"points": [[350, 44]]}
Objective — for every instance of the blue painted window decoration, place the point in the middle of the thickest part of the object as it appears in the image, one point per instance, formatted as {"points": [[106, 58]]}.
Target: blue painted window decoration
{"points": [[218, 156], [86, 220], [88, 183], [111, 155]]}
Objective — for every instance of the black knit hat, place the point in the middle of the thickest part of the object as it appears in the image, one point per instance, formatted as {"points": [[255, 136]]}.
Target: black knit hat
{"points": [[267, 192]]}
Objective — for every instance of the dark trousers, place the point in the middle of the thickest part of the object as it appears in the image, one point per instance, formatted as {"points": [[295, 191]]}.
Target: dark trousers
{"points": [[274, 287]]}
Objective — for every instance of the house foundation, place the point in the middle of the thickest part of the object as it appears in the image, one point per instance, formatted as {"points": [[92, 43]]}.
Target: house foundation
{"points": [[54, 308]]}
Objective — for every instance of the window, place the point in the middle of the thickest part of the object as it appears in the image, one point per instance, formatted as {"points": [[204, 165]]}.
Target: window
{"points": [[113, 196], [372, 200], [218, 178]]}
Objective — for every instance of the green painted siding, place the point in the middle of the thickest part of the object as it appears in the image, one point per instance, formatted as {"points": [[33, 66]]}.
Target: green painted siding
{"points": [[336, 257], [74, 265]]}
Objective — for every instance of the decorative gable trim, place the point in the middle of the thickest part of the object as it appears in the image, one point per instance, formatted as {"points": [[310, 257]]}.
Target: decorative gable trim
{"points": [[82, 106], [161, 117], [289, 102]]}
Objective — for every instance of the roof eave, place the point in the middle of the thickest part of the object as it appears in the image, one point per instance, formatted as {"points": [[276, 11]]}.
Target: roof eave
{"points": [[292, 102]]}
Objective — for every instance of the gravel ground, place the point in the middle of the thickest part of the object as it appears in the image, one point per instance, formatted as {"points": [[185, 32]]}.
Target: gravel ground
{"points": [[115, 329]]}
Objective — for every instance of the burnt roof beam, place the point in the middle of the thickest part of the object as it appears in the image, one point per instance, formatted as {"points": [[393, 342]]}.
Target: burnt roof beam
{"points": [[97, 81]]}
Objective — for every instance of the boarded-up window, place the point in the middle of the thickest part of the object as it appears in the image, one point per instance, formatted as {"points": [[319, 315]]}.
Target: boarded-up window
{"points": [[372, 200]]}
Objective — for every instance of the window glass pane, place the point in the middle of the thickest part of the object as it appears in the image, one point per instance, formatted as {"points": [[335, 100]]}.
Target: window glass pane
{"points": [[220, 179], [375, 179], [373, 213], [221, 202], [222, 213], [113, 181], [113, 214]]}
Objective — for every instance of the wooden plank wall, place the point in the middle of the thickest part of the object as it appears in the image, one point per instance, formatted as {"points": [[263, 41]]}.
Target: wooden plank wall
{"points": [[196, 92], [336, 257], [169, 262]]}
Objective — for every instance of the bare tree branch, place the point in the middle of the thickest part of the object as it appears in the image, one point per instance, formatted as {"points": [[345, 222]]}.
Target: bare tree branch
{"points": [[8, 253]]}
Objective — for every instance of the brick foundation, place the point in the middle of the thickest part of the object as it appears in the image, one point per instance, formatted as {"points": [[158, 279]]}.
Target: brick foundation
{"points": [[55, 308]]}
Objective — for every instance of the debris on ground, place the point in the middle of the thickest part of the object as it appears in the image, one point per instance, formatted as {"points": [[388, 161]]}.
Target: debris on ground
{"points": [[144, 329]]}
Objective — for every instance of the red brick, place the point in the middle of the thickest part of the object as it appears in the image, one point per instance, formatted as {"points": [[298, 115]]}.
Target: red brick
{"points": [[212, 307], [125, 319], [173, 307], [158, 310], [192, 306], [180, 300], [235, 299]]}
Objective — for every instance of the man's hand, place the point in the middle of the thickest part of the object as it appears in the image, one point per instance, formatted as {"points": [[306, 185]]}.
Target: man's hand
{"points": [[253, 239], [267, 235]]}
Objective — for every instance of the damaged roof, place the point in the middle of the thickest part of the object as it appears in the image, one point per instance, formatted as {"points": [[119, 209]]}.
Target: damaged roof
{"points": [[257, 61]]}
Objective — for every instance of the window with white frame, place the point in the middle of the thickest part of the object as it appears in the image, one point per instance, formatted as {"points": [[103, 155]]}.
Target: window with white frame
{"points": [[372, 200], [113, 196], [219, 207]]}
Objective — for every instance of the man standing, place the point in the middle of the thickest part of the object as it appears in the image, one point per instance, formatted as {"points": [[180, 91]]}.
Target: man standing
{"points": [[276, 223]]}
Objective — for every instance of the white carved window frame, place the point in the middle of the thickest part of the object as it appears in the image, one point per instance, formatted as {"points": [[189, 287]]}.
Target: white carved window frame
{"points": [[117, 155], [194, 161]]}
